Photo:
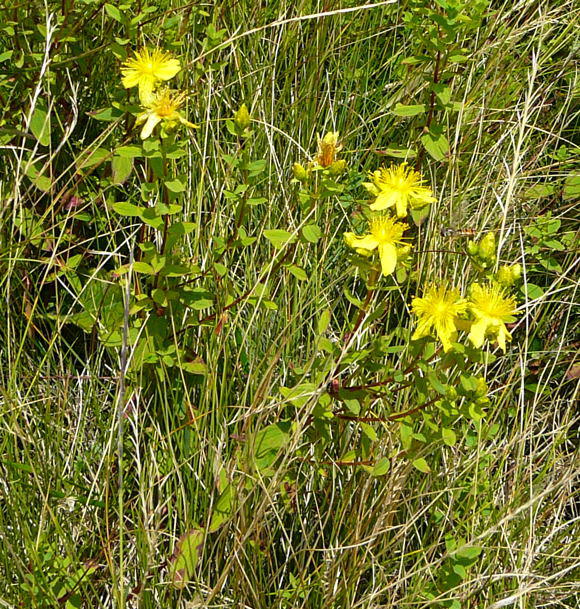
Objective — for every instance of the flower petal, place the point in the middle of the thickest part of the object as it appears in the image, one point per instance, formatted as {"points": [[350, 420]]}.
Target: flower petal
{"points": [[168, 69], [384, 200], [152, 121], [146, 86], [130, 78], [368, 242], [401, 204], [477, 332], [502, 335], [388, 256]]}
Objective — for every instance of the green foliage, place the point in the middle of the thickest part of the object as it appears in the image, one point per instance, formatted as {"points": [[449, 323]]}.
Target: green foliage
{"points": [[211, 397]]}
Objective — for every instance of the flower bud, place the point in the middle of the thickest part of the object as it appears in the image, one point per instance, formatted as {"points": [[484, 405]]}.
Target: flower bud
{"points": [[299, 172], [328, 146], [504, 275], [487, 247], [472, 248], [481, 390], [516, 271], [242, 118], [337, 167], [451, 393]]}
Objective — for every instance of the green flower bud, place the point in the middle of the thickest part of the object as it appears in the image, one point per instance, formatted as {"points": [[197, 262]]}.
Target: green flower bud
{"points": [[472, 248], [451, 393], [505, 276], [487, 247], [242, 118], [516, 271], [337, 167], [299, 172], [481, 390]]}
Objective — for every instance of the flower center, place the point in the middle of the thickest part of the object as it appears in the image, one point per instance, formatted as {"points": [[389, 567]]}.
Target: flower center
{"points": [[385, 230]]}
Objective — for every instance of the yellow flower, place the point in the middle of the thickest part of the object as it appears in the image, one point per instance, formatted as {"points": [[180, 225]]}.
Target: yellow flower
{"points": [[163, 106], [146, 69], [492, 308], [439, 309], [328, 146], [398, 186], [385, 234]]}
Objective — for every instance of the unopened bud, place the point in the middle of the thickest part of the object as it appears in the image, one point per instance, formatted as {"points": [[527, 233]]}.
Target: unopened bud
{"points": [[472, 248], [487, 247], [299, 172], [242, 118], [337, 167], [481, 390], [516, 271], [504, 275]]}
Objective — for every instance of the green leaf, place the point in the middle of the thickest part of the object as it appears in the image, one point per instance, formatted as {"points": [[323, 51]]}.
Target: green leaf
{"points": [[279, 238], [268, 442], [439, 387], [399, 153], [175, 185], [40, 126], [422, 465], [571, 187], [185, 557], [128, 209], [443, 93], [253, 201], [532, 291], [323, 321], [448, 436], [420, 214], [381, 467], [195, 366], [94, 157], [469, 552], [299, 394], [436, 145], [539, 191], [413, 110], [311, 232], [143, 267], [107, 114], [121, 167], [129, 152], [369, 431], [298, 272], [114, 12], [222, 509]]}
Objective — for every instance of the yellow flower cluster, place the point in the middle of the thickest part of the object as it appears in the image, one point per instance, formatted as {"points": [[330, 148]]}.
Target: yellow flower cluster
{"points": [[443, 312], [146, 70], [398, 187]]}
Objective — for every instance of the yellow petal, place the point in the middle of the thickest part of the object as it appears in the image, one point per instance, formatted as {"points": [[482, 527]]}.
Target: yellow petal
{"points": [[502, 334], [130, 79], [477, 332], [168, 69], [422, 329], [368, 242], [151, 123], [146, 85], [384, 200], [388, 256], [446, 333], [401, 203]]}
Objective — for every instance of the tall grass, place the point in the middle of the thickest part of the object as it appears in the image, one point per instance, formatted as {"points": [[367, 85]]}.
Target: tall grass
{"points": [[101, 497]]}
